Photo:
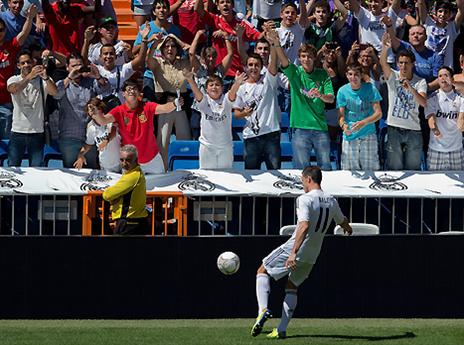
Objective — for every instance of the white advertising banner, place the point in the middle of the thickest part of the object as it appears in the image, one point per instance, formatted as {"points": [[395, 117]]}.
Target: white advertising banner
{"points": [[398, 184]]}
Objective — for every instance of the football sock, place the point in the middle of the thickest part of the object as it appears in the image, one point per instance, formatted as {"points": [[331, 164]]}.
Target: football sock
{"points": [[288, 308], [263, 289]]}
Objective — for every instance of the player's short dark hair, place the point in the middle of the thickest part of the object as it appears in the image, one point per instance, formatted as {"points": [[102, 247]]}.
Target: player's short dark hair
{"points": [[406, 53], [255, 56], [449, 69], [214, 78], [288, 4], [314, 172], [161, 2]]}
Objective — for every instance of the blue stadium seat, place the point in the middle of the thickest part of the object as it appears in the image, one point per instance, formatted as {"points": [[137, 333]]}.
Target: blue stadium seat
{"points": [[237, 128], [183, 154], [284, 121], [51, 153]]}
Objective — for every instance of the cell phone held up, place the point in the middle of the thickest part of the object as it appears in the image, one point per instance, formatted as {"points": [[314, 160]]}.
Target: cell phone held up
{"points": [[84, 69]]}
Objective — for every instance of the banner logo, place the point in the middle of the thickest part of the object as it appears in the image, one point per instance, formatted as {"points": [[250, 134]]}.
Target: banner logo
{"points": [[387, 183], [8, 180], [97, 180], [195, 182], [291, 182]]}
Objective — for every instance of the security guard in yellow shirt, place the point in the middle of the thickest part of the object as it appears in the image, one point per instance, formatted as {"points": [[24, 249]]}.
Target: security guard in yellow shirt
{"points": [[128, 196]]}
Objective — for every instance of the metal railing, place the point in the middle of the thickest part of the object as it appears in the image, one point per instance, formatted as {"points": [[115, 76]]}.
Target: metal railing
{"points": [[55, 215]]}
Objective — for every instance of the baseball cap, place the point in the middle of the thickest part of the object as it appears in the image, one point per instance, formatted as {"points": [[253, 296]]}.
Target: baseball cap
{"points": [[107, 20]]}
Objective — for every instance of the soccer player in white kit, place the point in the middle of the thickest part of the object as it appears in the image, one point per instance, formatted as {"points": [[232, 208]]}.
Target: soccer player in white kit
{"points": [[295, 258]]}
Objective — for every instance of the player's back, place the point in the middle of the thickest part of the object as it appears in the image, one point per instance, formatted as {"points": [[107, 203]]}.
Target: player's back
{"points": [[319, 209]]}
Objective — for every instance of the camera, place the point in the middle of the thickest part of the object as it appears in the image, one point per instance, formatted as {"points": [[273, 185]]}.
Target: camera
{"points": [[84, 69]]}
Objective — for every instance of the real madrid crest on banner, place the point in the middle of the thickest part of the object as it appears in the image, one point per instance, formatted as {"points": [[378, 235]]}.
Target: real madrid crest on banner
{"points": [[97, 180], [290, 182], [388, 183], [8, 180], [196, 182]]}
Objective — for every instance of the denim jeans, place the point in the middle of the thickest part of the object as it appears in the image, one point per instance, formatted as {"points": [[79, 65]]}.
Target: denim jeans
{"points": [[70, 149], [6, 118], [264, 148], [303, 141], [20, 142], [403, 149]]}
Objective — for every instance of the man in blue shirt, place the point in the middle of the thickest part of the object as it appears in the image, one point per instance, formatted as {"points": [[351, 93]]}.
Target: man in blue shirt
{"points": [[427, 61]]}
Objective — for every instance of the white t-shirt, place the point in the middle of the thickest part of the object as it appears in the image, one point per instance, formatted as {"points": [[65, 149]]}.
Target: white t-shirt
{"points": [[125, 72], [216, 121], [371, 29], [262, 97], [441, 40], [28, 107], [290, 40], [446, 108], [267, 9], [109, 156], [319, 209], [94, 53], [282, 79], [403, 110]]}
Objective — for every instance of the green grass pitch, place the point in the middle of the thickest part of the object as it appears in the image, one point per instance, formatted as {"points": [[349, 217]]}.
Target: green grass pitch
{"points": [[233, 331]]}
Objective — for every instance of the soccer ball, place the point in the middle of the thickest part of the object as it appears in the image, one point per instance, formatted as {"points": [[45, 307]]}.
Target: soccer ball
{"points": [[228, 263]]}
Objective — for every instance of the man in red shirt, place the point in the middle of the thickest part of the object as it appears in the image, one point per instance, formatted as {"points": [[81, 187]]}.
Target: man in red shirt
{"points": [[186, 18], [135, 125], [226, 22], [8, 52], [63, 19]]}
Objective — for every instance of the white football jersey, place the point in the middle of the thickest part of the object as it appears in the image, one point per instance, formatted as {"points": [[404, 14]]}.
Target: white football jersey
{"points": [[319, 209]]}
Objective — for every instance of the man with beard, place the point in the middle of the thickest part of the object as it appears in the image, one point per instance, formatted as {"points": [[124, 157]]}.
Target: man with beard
{"points": [[28, 90], [128, 196]]}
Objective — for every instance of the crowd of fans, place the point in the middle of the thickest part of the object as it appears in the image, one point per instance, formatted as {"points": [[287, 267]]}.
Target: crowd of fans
{"points": [[376, 78]]}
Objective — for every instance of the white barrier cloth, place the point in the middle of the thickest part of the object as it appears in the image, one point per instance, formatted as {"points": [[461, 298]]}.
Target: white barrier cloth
{"points": [[398, 184]]}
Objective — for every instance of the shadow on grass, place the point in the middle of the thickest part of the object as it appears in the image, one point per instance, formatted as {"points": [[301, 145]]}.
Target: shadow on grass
{"points": [[360, 337]]}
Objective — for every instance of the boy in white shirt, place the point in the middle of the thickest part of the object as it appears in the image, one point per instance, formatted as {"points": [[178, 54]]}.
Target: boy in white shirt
{"points": [[216, 151], [445, 114], [106, 138]]}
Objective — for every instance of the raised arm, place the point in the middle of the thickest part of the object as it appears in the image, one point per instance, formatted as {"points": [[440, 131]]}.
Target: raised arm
{"points": [[19, 86], [460, 14], [273, 39], [89, 34], [386, 69], [193, 50], [239, 80], [199, 8], [303, 20], [281, 56], [355, 6], [141, 56], [422, 11], [396, 6], [227, 60], [22, 36], [152, 64], [190, 77], [395, 41], [175, 6], [239, 29]]}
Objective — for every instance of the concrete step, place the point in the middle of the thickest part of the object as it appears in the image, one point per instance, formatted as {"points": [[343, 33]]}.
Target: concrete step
{"points": [[121, 4], [124, 15]]}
